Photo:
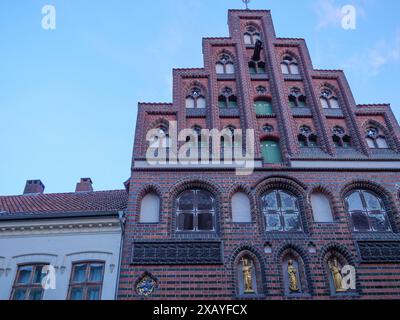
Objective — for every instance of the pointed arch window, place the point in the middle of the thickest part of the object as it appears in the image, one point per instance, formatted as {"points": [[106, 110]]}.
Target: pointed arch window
{"points": [[251, 35], [227, 99], [150, 208], [340, 138], [195, 99], [225, 64], [281, 211], [297, 99], [367, 211], [195, 211], [289, 65], [329, 100], [307, 138], [161, 141], [376, 139]]}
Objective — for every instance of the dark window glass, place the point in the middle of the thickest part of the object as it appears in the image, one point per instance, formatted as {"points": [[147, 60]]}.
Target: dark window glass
{"points": [[86, 281], [28, 283]]}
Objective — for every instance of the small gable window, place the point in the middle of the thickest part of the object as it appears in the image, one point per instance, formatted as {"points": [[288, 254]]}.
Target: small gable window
{"points": [[328, 100], [195, 99], [289, 65], [225, 64], [376, 139], [251, 35], [227, 99]]}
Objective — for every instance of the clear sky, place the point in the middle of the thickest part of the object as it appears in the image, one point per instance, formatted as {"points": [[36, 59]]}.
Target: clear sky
{"points": [[68, 97]]}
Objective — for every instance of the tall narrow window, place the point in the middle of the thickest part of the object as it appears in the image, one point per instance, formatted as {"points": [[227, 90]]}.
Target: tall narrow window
{"points": [[281, 211], [150, 209], [271, 152], [367, 211], [289, 65], [195, 99], [196, 211], [321, 207], [297, 99], [376, 139], [251, 35], [257, 67], [340, 138], [227, 99], [225, 65], [328, 100], [263, 106], [307, 138], [28, 283], [241, 208], [86, 281], [161, 142]]}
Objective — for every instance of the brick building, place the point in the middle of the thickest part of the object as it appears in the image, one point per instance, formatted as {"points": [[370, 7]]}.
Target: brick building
{"points": [[323, 195]]}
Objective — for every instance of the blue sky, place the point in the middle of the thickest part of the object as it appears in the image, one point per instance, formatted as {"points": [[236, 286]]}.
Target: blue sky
{"points": [[68, 96]]}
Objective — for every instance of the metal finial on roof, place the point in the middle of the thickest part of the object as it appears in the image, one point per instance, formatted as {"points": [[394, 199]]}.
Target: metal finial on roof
{"points": [[246, 2]]}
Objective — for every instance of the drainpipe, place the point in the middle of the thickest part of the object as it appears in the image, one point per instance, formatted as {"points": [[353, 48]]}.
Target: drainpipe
{"points": [[122, 220]]}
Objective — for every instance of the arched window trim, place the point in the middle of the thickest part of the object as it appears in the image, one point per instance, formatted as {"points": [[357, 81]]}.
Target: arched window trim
{"points": [[327, 97], [297, 99], [375, 135], [340, 138]]}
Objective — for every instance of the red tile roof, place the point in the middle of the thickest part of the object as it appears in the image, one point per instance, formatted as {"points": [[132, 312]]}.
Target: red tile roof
{"points": [[61, 203]]}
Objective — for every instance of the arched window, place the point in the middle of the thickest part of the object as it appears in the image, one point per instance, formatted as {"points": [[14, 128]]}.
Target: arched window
{"points": [[340, 138], [263, 106], [281, 211], [297, 99], [225, 64], [321, 207], [241, 212], [195, 211], [376, 139], [367, 211], [251, 35], [227, 99], [307, 138], [150, 209], [161, 141], [328, 100], [289, 65], [271, 152], [195, 99]]}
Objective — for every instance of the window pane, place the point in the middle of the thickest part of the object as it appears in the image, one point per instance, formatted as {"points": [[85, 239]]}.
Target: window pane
{"points": [[35, 294], [79, 273], [334, 103], [96, 272], [263, 108], [294, 69], [321, 208], [25, 274], [230, 68], [76, 294], [186, 201], [201, 103], [292, 222], [372, 201], [232, 104], [360, 221], [379, 222], [93, 293], [285, 68], [382, 144], [247, 39], [354, 202], [288, 202], [270, 202], [273, 222], [204, 201], [185, 221], [205, 221], [324, 103], [222, 104], [19, 294], [371, 143], [38, 276], [219, 68]]}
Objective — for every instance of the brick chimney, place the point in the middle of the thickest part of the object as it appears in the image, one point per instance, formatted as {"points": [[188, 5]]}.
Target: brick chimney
{"points": [[86, 185], [34, 187]]}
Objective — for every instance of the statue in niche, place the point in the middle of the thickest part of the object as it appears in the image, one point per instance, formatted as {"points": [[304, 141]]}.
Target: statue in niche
{"points": [[292, 273], [336, 274], [247, 267]]}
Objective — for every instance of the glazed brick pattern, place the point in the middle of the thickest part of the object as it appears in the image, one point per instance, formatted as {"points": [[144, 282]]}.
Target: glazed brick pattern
{"points": [[374, 281]]}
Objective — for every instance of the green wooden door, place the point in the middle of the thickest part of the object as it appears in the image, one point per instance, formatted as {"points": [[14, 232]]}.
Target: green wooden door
{"points": [[263, 107], [271, 151]]}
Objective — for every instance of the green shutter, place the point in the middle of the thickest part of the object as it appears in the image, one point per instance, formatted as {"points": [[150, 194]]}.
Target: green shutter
{"points": [[263, 107], [271, 151]]}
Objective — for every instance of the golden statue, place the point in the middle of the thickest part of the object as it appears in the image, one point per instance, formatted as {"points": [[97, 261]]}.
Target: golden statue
{"points": [[292, 272], [336, 274], [247, 275]]}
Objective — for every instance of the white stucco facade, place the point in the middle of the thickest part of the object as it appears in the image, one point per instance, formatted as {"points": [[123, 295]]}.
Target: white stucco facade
{"points": [[60, 243]]}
